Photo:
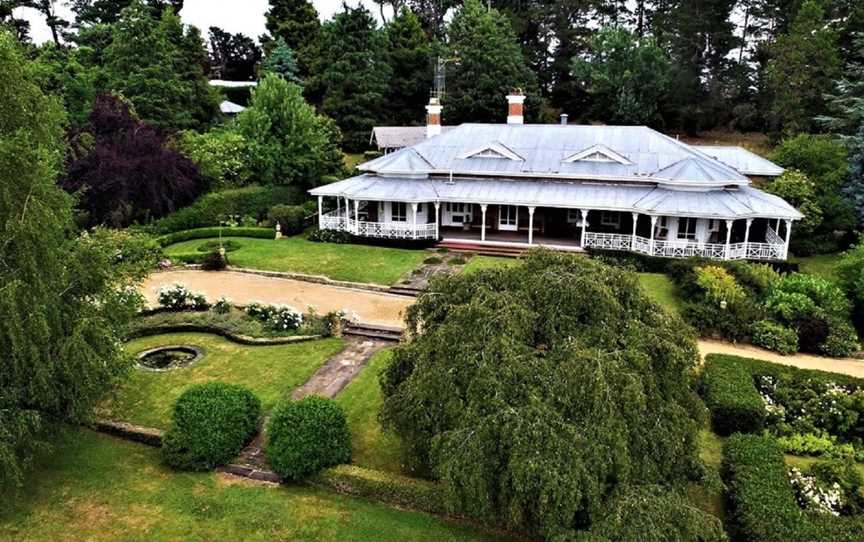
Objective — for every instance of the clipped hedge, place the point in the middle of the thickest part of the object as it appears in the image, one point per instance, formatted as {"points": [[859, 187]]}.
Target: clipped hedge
{"points": [[731, 396], [210, 233], [210, 424], [213, 208], [306, 436], [762, 505], [374, 485]]}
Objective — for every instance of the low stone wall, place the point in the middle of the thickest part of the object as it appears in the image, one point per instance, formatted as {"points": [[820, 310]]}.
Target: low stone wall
{"points": [[145, 435], [199, 328]]}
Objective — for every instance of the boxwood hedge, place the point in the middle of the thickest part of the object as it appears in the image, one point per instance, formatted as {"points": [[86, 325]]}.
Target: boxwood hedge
{"points": [[213, 232], [762, 506], [731, 396], [306, 436], [210, 424]]}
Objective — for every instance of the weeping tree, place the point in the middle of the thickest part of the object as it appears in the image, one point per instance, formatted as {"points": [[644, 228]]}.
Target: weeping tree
{"points": [[63, 299], [542, 393]]}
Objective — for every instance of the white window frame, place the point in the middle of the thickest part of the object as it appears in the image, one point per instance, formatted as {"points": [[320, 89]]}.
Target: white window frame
{"points": [[398, 211], [573, 216], [713, 225], [685, 224], [610, 218], [457, 214], [510, 222]]}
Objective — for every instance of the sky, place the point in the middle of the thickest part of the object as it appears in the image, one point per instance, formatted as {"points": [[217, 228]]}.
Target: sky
{"points": [[244, 16]]}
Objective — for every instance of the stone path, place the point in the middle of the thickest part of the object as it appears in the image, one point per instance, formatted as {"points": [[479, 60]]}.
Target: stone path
{"points": [[328, 381], [847, 366], [242, 288]]}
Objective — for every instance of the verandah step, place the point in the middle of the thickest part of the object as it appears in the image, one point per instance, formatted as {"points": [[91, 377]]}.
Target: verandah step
{"points": [[485, 250]]}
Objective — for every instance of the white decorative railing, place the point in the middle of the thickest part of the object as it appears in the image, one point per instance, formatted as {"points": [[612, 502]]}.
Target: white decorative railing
{"points": [[772, 237], [385, 230], [685, 249]]}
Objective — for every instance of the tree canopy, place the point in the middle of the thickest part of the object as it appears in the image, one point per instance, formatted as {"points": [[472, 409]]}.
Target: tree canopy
{"points": [[233, 57], [536, 391], [280, 61], [63, 302], [410, 57]]}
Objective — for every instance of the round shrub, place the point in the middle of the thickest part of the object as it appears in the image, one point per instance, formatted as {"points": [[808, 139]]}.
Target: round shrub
{"points": [[214, 261], [210, 424], [329, 236], [306, 436], [774, 336], [290, 217]]}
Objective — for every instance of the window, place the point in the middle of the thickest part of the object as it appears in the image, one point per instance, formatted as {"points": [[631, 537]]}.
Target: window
{"points": [[687, 228], [608, 218], [508, 218], [573, 216], [399, 211], [713, 226]]}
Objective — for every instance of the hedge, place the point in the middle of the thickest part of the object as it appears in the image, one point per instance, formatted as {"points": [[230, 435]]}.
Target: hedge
{"points": [[411, 493], [731, 396], [213, 208], [306, 436], [767, 368], [210, 424], [762, 505], [213, 232]]}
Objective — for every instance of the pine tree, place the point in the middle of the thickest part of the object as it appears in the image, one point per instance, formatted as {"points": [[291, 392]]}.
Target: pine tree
{"points": [[804, 64], [92, 12], [352, 76], [296, 22], [410, 59], [157, 65], [488, 66], [280, 60], [63, 306]]}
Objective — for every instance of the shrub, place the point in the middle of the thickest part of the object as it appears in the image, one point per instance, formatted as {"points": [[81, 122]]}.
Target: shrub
{"points": [[329, 236], [210, 424], [217, 207], [306, 436], [276, 317], [214, 261], [814, 445], [774, 336], [222, 305], [718, 285], [290, 217], [214, 232], [177, 297], [842, 340], [221, 156], [731, 396], [216, 244], [433, 260]]}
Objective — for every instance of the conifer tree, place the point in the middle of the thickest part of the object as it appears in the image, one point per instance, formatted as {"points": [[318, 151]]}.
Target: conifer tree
{"points": [[410, 59], [352, 76], [488, 64], [296, 22], [280, 60]]}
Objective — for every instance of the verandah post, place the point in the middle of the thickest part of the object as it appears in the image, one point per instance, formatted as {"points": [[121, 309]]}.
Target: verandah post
{"points": [[530, 225], [653, 227], [483, 222], [788, 238], [584, 214], [635, 223], [320, 211], [747, 237], [414, 213], [437, 220], [728, 254]]}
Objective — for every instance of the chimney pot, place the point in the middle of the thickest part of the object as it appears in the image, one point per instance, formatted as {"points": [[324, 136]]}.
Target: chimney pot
{"points": [[433, 118], [515, 109], [565, 118]]}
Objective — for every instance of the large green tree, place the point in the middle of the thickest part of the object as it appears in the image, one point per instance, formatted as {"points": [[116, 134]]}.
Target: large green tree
{"points": [[92, 12], [63, 306], [158, 65], [296, 22], [538, 391], [625, 76], [410, 57], [487, 66], [803, 67], [351, 75], [280, 60], [287, 142]]}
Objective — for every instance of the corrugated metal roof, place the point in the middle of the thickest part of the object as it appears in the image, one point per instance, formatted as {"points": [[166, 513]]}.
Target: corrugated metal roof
{"points": [[545, 149], [730, 203], [744, 161], [397, 137], [230, 108]]}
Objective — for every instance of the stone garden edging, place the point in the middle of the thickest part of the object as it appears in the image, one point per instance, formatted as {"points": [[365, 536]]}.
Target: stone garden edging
{"points": [[127, 431], [239, 339]]}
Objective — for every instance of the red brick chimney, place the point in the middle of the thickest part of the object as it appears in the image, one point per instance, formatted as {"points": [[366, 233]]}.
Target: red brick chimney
{"points": [[515, 108], [433, 117]]}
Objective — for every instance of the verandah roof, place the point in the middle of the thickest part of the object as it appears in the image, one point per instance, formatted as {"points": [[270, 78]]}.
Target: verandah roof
{"points": [[734, 203]]}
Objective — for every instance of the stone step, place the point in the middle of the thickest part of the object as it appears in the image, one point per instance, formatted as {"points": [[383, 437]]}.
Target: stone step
{"points": [[485, 250], [375, 332]]}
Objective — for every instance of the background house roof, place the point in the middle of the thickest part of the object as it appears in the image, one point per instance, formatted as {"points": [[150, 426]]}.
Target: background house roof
{"points": [[546, 148], [397, 137], [230, 108], [730, 203]]}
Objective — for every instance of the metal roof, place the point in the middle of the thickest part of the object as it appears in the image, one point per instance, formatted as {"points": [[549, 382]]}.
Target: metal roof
{"points": [[744, 161], [232, 84], [397, 137], [545, 150], [728, 203], [230, 108]]}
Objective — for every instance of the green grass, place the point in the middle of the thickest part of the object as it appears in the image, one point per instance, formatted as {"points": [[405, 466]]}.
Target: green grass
{"points": [[271, 372], [355, 263], [479, 263], [823, 265], [96, 488], [361, 400], [661, 289]]}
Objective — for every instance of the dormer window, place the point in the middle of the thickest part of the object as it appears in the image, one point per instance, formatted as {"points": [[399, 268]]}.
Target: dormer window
{"points": [[598, 153], [492, 150]]}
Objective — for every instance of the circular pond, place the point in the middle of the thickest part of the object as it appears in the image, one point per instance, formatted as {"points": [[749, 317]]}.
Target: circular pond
{"points": [[167, 358]]}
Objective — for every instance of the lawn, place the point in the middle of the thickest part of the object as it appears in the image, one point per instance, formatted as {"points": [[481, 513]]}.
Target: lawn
{"points": [[96, 488], [824, 265], [479, 263], [361, 400], [661, 289], [271, 372], [354, 263]]}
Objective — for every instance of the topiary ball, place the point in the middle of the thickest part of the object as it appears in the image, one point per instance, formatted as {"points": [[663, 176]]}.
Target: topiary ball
{"points": [[210, 424], [306, 436]]}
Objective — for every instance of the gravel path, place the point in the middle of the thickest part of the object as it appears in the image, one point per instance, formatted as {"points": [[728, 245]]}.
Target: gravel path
{"points": [[847, 366], [242, 288]]}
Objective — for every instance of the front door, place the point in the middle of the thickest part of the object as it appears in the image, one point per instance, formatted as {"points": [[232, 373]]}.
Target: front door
{"points": [[508, 218]]}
